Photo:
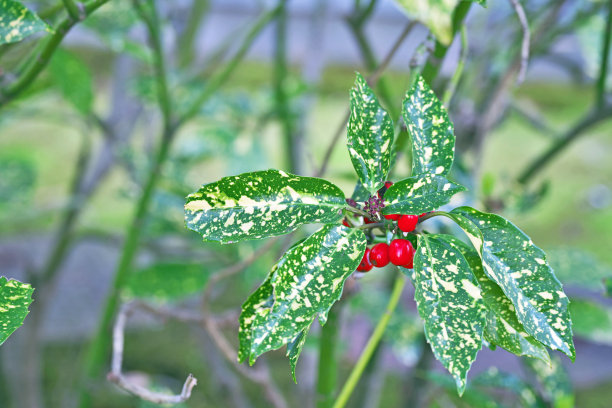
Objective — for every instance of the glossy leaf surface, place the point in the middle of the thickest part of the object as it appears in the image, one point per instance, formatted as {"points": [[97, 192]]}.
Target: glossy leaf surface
{"points": [[449, 302], [433, 138], [370, 136], [419, 194], [520, 269], [304, 285], [261, 204], [503, 328], [15, 298], [17, 22]]}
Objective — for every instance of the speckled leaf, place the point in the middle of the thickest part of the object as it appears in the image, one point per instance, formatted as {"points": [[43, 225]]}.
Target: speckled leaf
{"points": [[294, 348], [555, 381], [307, 281], [370, 136], [520, 269], [15, 298], [261, 204], [503, 328], [17, 22], [450, 304], [433, 140], [419, 194]]}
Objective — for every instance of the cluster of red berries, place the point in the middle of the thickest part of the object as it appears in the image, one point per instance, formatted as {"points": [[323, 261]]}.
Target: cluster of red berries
{"points": [[400, 253]]}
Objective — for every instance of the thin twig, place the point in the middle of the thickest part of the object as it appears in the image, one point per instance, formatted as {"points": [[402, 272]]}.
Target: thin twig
{"points": [[520, 12], [372, 81], [116, 375], [600, 93]]}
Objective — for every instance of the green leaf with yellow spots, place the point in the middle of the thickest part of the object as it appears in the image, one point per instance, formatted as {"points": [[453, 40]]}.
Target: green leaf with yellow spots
{"points": [[17, 22], [433, 138], [520, 269], [419, 194], [261, 204], [304, 285], [370, 136], [503, 328], [15, 298], [555, 382], [449, 302]]}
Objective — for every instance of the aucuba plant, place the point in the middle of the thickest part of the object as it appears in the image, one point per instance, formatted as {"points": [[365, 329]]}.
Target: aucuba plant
{"points": [[490, 286]]}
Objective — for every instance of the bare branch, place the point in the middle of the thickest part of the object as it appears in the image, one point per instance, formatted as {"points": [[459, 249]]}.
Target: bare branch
{"points": [[520, 12], [116, 376]]}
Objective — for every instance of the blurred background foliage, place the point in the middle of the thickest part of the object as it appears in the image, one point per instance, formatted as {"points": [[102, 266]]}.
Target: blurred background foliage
{"points": [[78, 145]]}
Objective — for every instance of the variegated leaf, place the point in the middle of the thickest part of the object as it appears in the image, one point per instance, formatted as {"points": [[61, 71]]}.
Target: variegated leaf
{"points": [[503, 328], [555, 381], [15, 298], [17, 22], [520, 269], [261, 204], [433, 138], [294, 348], [370, 136], [450, 304], [306, 282], [419, 194]]}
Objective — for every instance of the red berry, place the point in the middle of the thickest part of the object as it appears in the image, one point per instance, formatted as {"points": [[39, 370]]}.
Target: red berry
{"points": [[368, 221], [345, 223], [392, 217], [401, 253], [365, 264], [407, 223], [422, 215], [379, 255]]}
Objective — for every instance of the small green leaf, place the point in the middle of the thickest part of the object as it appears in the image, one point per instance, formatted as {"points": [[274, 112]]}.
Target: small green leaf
{"points": [[17, 182], [17, 22], [450, 304], [433, 139], [591, 320], [577, 267], [511, 260], [261, 204], [555, 381], [437, 15], [15, 298], [608, 283], [503, 328], [493, 378], [419, 194], [74, 80], [370, 136], [167, 281], [304, 284]]}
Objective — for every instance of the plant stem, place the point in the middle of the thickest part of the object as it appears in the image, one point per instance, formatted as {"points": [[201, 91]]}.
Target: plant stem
{"points": [[327, 376], [430, 71], [559, 145], [452, 85], [353, 378], [196, 15], [283, 109], [40, 57], [73, 9], [605, 56]]}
